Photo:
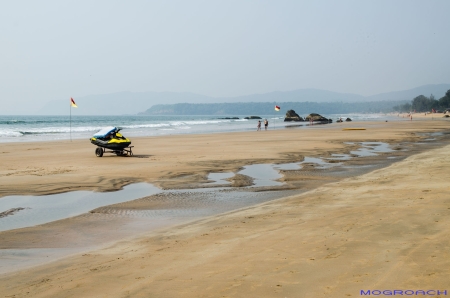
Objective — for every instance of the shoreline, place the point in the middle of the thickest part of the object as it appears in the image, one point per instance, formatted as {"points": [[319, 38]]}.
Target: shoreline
{"points": [[43, 128], [164, 163]]}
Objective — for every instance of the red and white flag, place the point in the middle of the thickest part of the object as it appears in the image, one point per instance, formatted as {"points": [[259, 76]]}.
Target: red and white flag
{"points": [[72, 103], [277, 108]]}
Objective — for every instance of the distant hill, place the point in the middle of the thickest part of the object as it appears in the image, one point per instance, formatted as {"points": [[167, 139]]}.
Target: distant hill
{"points": [[123, 103], [437, 90]]}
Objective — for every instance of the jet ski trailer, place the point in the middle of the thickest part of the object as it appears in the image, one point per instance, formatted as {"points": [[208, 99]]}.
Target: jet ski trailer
{"points": [[109, 140]]}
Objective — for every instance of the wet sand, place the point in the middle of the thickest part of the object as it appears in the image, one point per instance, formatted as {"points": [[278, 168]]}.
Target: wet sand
{"points": [[383, 230]]}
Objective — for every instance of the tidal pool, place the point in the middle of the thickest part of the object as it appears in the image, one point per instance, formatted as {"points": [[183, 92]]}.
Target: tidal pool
{"points": [[42, 209]]}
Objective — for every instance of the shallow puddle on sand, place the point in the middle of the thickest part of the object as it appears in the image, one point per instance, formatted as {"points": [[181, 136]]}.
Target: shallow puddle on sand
{"points": [[320, 162], [267, 174], [370, 148], [287, 166], [43, 209], [340, 157], [262, 174]]}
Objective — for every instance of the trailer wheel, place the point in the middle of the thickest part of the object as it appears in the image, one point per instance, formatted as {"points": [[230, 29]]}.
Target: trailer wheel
{"points": [[99, 152]]}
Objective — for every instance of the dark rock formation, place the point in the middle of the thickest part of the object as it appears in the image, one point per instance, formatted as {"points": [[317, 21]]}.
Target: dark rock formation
{"points": [[340, 120], [317, 118], [253, 117], [291, 115]]}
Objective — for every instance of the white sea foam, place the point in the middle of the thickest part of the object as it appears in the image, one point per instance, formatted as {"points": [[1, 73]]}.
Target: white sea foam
{"points": [[43, 128], [150, 125], [5, 133]]}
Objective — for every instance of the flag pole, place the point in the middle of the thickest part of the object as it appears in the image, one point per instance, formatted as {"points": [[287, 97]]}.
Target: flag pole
{"points": [[275, 122], [72, 104]]}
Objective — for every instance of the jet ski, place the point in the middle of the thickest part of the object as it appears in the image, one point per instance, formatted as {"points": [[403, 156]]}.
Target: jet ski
{"points": [[110, 138]]}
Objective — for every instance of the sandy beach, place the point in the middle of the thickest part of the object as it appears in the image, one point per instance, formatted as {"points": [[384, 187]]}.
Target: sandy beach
{"points": [[175, 161], [333, 236]]}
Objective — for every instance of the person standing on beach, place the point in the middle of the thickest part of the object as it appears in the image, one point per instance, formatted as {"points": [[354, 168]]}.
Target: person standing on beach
{"points": [[266, 123], [259, 125]]}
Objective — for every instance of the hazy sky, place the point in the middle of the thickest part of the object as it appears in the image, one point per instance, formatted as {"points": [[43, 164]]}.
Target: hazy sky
{"points": [[56, 49]]}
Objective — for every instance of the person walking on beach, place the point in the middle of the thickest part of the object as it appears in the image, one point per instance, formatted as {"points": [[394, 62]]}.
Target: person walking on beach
{"points": [[266, 123], [259, 125]]}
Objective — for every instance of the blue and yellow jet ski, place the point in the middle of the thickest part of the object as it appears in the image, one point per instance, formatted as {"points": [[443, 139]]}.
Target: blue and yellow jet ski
{"points": [[110, 138]]}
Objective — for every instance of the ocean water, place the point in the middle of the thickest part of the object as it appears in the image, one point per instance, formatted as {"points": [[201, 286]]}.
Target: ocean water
{"points": [[45, 128]]}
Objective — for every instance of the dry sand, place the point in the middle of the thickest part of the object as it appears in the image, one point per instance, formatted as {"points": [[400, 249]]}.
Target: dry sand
{"points": [[388, 229]]}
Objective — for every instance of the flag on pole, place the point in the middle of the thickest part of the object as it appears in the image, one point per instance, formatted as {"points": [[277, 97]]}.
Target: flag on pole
{"points": [[277, 108], [72, 103]]}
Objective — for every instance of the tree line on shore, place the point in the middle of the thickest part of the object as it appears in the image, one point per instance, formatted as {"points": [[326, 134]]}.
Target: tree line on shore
{"points": [[422, 103], [267, 108]]}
